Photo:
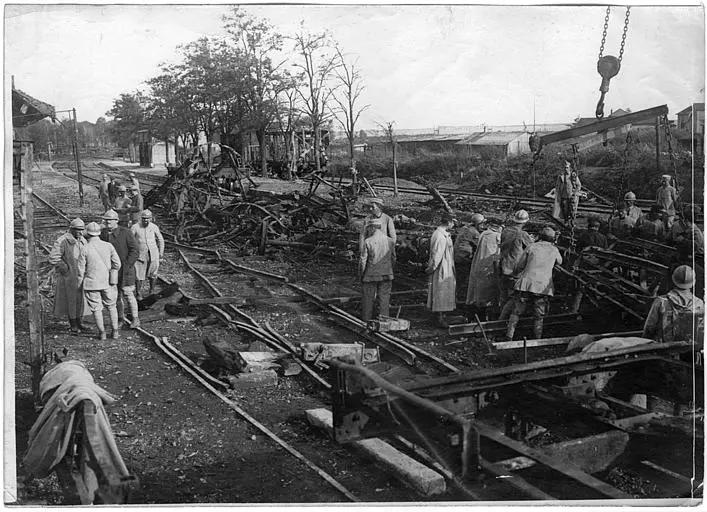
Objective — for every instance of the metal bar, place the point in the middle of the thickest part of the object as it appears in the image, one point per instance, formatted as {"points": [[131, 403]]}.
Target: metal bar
{"points": [[603, 125], [51, 207], [75, 133], [546, 342], [501, 325]]}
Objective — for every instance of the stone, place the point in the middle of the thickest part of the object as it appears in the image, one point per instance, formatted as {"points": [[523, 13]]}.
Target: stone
{"points": [[242, 381]]}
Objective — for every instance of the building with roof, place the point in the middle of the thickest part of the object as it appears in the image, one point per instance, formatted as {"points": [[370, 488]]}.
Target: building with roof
{"points": [[692, 119], [428, 143], [502, 144]]}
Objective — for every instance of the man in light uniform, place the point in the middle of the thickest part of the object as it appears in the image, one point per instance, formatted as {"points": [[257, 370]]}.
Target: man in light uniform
{"points": [[68, 297], [514, 240], [376, 271], [134, 182], [464, 247], [677, 315], [121, 205], [98, 266], [104, 192], [440, 266], [376, 216], [150, 244], [633, 212], [665, 198], [534, 285], [136, 204], [126, 247]]}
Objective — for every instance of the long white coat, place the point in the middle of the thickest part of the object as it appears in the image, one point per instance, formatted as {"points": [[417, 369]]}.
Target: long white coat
{"points": [[150, 245], [443, 283]]}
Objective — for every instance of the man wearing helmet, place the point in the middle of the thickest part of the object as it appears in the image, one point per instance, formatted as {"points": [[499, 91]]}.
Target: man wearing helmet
{"points": [[534, 284], [677, 315], [514, 240], [126, 247], [98, 266], [465, 245], [68, 296], [150, 245], [136, 204], [633, 212], [121, 205]]}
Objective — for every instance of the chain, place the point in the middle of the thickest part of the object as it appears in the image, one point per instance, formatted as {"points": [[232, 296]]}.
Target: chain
{"points": [[669, 142], [603, 35], [623, 37]]}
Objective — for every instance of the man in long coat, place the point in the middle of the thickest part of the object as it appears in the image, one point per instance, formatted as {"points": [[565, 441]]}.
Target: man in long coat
{"points": [[104, 192], [150, 245], [565, 193], [482, 291], [666, 199], [442, 286], [465, 244], [136, 204], [68, 296]]}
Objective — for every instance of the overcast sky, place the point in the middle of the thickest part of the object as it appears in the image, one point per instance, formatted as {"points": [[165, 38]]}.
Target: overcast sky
{"points": [[423, 66]]}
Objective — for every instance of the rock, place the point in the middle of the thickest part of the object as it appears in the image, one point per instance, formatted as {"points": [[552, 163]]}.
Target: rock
{"points": [[290, 368], [265, 378], [248, 362], [223, 353], [259, 346]]}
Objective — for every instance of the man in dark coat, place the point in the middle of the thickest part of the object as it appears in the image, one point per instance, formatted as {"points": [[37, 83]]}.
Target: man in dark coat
{"points": [[127, 249]]}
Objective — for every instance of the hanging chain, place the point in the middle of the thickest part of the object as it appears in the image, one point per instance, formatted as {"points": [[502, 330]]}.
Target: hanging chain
{"points": [[673, 163], [623, 37], [603, 35]]}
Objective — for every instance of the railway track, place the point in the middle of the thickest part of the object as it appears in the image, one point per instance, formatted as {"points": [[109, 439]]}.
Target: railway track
{"points": [[218, 274]]}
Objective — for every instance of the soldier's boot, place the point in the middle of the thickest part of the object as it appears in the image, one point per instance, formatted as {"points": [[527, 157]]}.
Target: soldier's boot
{"points": [[72, 326], [152, 285], [538, 328], [512, 323], [79, 324], [98, 318], [114, 322], [440, 320]]}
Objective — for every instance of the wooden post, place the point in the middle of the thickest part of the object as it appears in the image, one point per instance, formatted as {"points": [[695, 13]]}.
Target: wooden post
{"points": [[657, 143], [34, 300], [395, 172], [76, 156]]}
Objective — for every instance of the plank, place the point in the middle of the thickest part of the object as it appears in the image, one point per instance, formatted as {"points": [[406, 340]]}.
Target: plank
{"points": [[564, 340]]}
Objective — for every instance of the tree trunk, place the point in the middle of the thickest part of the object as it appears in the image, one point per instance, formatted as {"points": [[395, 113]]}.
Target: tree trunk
{"points": [[260, 135], [166, 150], [395, 172], [317, 142], [352, 162]]}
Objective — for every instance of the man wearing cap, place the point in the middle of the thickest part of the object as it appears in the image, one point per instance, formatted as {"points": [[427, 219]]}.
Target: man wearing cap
{"points": [[483, 288], [592, 237], [665, 198], [104, 192], [564, 193], [464, 247], [136, 204], [121, 205], [677, 315], [633, 212], [150, 245], [534, 284], [126, 247], [441, 295], [376, 271], [98, 267], [68, 298], [652, 226], [514, 240], [376, 215]]}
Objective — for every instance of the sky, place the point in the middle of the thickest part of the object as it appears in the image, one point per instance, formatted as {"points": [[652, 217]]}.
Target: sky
{"points": [[423, 65]]}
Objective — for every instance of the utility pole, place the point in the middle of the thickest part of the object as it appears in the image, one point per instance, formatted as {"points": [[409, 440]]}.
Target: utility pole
{"points": [[75, 135], [657, 143]]}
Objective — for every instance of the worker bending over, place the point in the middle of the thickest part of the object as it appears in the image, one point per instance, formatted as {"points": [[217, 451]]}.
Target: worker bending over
{"points": [[534, 283], [677, 315], [592, 237], [376, 271], [441, 296]]}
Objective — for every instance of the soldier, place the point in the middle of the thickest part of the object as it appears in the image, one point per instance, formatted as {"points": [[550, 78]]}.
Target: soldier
{"points": [[136, 204], [98, 266], [534, 283], [134, 182], [104, 192], [621, 226], [633, 212], [150, 245], [591, 237], [514, 240], [376, 215], [126, 247], [564, 193], [121, 205], [665, 198], [678, 315], [483, 287], [464, 247], [68, 296], [376, 271], [685, 229], [653, 227], [441, 295]]}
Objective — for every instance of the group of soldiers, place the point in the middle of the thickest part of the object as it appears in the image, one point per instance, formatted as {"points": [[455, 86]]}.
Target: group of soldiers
{"points": [[499, 271], [105, 265]]}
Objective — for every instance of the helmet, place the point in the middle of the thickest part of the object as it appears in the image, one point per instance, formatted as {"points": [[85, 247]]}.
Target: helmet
{"points": [[684, 277], [521, 217], [77, 224], [376, 200], [146, 214], [93, 229], [477, 218], [111, 215], [630, 196], [547, 234], [121, 188]]}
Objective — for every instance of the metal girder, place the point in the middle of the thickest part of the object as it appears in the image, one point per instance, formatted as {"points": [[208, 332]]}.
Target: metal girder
{"points": [[603, 125], [501, 325]]}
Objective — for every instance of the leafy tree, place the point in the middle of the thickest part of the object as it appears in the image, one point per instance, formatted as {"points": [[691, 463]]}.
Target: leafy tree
{"points": [[129, 114]]}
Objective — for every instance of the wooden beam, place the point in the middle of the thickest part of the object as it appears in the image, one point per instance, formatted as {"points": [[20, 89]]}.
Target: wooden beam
{"points": [[546, 342], [603, 125]]}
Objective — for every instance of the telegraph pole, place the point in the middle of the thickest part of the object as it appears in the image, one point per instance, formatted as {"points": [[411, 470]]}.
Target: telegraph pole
{"points": [[75, 135]]}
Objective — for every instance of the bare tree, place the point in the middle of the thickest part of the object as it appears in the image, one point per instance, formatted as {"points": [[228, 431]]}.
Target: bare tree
{"points": [[390, 133], [287, 117], [316, 65], [348, 109]]}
